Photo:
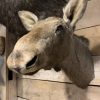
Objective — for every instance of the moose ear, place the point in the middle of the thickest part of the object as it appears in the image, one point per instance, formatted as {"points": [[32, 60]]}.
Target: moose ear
{"points": [[74, 10], [28, 19]]}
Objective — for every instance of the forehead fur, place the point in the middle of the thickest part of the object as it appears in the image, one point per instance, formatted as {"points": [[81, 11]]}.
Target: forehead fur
{"points": [[41, 30], [48, 24], [46, 28]]}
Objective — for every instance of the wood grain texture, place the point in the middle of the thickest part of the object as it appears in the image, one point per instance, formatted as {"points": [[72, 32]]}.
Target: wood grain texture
{"points": [[91, 16], [93, 36], [52, 75], [44, 90]]}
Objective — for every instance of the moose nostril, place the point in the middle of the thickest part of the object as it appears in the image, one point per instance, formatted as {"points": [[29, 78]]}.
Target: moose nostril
{"points": [[31, 62], [17, 69]]}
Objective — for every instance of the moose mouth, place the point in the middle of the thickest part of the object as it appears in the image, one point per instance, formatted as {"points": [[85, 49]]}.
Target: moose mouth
{"points": [[31, 67]]}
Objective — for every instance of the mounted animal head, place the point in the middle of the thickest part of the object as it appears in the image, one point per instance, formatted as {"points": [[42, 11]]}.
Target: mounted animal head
{"points": [[51, 43], [43, 46], [48, 42]]}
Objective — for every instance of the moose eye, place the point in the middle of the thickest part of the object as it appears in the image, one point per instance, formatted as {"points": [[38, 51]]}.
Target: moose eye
{"points": [[31, 62], [59, 29]]}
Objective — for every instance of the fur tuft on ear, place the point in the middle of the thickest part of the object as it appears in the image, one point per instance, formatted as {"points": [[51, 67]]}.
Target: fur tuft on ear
{"points": [[28, 19], [74, 10]]}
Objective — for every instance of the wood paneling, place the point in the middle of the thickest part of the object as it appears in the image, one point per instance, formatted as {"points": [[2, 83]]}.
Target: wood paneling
{"points": [[44, 90], [91, 16], [93, 36]]}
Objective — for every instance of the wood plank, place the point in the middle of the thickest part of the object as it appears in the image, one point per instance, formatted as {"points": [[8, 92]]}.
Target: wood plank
{"points": [[3, 70], [12, 91], [91, 16], [11, 39], [93, 35], [12, 84], [44, 90], [52, 75]]}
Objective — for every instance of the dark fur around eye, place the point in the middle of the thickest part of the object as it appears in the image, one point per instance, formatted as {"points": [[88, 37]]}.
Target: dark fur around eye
{"points": [[60, 31], [60, 28]]}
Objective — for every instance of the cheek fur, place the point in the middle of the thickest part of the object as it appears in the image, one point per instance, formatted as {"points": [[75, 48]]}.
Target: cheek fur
{"points": [[42, 43]]}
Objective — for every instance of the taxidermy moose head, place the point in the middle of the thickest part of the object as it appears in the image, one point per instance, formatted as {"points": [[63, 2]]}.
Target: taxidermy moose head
{"points": [[51, 43]]}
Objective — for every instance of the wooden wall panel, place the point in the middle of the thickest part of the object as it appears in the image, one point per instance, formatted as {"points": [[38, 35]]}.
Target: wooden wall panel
{"points": [[91, 16], [44, 90], [93, 36]]}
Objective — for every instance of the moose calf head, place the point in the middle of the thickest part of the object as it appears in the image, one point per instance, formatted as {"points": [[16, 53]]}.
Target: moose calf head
{"points": [[43, 46], [51, 43], [47, 39]]}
